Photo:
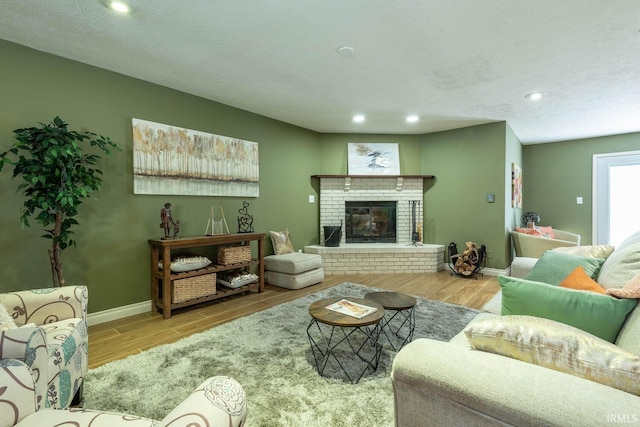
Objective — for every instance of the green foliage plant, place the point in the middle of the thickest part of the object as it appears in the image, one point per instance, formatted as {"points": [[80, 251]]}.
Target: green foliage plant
{"points": [[57, 175]]}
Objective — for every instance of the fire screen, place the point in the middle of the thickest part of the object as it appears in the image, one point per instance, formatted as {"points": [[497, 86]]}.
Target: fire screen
{"points": [[370, 222]]}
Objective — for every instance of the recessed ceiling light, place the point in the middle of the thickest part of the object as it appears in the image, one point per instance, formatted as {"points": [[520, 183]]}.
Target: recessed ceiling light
{"points": [[117, 6], [358, 118], [345, 51], [412, 119], [536, 96]]}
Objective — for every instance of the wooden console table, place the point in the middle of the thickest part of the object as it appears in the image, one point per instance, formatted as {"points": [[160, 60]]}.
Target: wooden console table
{"points": [[162, 278]]}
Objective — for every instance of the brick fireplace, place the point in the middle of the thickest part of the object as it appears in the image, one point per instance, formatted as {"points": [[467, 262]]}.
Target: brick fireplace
{"points": [[400, 257]]}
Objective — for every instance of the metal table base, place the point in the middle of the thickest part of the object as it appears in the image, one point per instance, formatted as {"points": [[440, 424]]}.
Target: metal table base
{"points": [[329, 342]]}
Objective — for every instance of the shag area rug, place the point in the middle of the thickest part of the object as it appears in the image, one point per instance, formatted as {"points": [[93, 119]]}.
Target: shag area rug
{"points": [[269, 354]]}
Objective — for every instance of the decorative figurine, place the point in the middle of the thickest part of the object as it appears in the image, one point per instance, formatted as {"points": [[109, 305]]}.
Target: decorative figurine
{"points": [[245, 221], [167, 221]]}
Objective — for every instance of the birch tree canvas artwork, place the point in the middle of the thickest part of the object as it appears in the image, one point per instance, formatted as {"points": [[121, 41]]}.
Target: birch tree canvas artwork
{"points": [[373, 158], [169, 160]]}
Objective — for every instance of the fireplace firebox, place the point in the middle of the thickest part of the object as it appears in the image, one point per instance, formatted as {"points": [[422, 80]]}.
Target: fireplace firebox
{"points": [[370, 222]]}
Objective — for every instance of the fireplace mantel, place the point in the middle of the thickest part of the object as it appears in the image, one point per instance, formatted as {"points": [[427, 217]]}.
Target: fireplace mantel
{"points": [[374, 176], [348, 178]]}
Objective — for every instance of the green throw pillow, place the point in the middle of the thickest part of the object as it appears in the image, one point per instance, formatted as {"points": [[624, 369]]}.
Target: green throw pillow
{"points": [[598, 314], [553, 267]]}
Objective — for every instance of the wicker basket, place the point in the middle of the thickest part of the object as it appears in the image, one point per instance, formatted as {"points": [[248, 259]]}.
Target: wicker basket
{"points": [[193, 287], [234, 254]]}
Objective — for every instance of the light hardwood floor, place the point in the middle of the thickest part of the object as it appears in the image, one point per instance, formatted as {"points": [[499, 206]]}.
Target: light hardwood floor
{"points": [[124, 337]]}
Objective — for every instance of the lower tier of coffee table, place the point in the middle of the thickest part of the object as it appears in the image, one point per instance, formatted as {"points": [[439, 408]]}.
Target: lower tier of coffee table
{"points": [[350, 350], [399, 321]]}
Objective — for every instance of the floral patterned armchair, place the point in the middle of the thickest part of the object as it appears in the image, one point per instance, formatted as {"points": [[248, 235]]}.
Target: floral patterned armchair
{"points": [[217, 402], [43, 361]]}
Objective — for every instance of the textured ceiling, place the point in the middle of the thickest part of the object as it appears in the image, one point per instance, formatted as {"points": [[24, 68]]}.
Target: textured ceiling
{"points": [[454, 63]]}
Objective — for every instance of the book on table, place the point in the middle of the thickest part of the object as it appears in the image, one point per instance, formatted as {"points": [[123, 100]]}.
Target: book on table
{"points": [[351, 308]]}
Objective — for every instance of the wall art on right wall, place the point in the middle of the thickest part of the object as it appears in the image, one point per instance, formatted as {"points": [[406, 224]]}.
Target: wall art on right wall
{"points": [[516, 186]]}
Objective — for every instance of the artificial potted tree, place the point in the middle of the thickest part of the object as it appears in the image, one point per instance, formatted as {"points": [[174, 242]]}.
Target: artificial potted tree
{"points": [[57, 175]]}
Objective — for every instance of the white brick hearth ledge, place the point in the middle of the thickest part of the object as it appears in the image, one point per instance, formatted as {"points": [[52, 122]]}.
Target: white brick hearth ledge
{"points": [[379, 258]]}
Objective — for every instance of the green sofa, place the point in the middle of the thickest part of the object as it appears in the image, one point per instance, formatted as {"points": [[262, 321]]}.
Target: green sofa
{"points": [[451, 384]]}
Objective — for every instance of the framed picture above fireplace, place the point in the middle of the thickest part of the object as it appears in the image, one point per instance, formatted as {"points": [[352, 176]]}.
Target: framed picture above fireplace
{"points": [[373, 158]]}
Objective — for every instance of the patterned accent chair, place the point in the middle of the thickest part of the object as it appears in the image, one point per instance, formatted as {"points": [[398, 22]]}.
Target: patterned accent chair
{"points": [[217, 402], [42, 362]]}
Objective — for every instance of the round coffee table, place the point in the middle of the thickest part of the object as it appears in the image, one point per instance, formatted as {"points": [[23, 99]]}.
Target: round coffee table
{"points": [[340, 337], [400, 316]]}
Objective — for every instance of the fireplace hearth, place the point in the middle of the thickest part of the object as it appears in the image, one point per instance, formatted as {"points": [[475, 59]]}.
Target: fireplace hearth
{"points": [[370, 222]]}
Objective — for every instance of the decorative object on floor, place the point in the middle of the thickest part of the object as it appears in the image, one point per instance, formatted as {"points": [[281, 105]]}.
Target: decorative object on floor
{"points": [[470, 262], [245, 221], [166, 221], [294, 270], [178, 161], [288, 268], [516, 186], [332, 235], [530, 219], [219, 225], [57, 173], [373, 159], [276, 369]]}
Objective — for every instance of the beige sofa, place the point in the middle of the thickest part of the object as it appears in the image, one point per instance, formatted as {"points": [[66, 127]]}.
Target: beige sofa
{"points": [[527, 245], [450, 384]]}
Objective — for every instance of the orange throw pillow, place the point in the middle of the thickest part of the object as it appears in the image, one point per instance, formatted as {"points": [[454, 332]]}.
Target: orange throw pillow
{"points": [[578, 279], [547, 232], [531, 231], [630, 290]]}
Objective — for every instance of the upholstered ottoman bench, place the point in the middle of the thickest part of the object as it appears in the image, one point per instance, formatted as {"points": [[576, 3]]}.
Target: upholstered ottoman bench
{"points": [[293, 270]]}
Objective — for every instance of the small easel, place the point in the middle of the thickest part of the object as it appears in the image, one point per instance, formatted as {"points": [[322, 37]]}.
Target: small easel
{"points": [[217, 226]]}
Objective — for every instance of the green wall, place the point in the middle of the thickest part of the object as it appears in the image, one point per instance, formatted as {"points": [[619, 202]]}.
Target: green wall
{"points": [[513, 154], [468, 164], [555, 174], [112, 256]]}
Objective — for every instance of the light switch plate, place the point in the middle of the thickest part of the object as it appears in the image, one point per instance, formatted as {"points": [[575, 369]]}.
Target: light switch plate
{"points": [[579, 200], [312, 198], [491, 198]]}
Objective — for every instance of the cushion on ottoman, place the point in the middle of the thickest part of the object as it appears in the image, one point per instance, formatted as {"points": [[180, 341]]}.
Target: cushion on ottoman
{"points": [[293, 263], [294, 281]]}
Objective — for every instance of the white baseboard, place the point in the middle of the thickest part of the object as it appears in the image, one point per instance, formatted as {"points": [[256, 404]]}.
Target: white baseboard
{"points": [[496, 271], [118, 312]]}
